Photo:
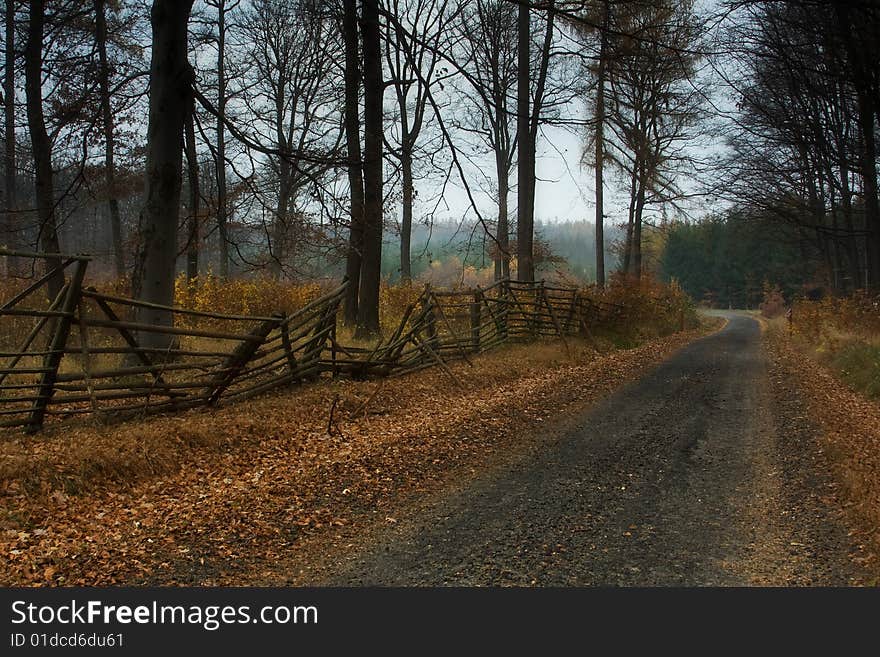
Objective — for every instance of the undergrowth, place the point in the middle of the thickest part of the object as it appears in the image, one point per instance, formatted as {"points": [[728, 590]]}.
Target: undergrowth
{"points": [[844, 335]]}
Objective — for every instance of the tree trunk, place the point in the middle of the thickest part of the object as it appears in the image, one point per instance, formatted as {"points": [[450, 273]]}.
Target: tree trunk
{"points": [[600, 155], [11, 237], [371, 265], [525, 268], [868, 157], [109, 137], [280, 226], [406, 164], [42, 149], [192, 241], [502, 259], [852, 248], [637, 228], [535, 123], [631, 215], [222, 215], [353, 151], [862, 64], [171, 80]]}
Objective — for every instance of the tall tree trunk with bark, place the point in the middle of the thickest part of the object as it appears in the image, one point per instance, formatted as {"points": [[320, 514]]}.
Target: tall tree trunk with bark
{"points": [[282, 216], [600, 149], [630, 224], [637, 227], [222, 210], [502, 259], [535, 124], [193, 237], [109, 137], [353, 151], [868, 162], [371, 264], [525, 268], [9, 168], [171, 79], [850, 23], [40, 145], [406, 173]]}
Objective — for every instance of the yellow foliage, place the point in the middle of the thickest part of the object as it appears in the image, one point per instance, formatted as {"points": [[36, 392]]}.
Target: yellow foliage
{"points": [[825, 322], [647, 308], [244, 296]]}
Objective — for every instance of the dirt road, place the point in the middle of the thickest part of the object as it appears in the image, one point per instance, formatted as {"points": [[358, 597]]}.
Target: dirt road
{"points": [[701, 473]]}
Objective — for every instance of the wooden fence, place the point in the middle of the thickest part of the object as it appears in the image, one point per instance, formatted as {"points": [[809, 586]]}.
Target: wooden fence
{"points": [[444, 325], [85, 352]]}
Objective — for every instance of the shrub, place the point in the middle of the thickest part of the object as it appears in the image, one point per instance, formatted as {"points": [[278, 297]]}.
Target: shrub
{"points": [[773, 303], [643, 309]]}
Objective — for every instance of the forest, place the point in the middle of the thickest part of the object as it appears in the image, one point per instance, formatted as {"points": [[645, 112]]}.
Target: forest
{"points": [[302, 138], [439, 293]]}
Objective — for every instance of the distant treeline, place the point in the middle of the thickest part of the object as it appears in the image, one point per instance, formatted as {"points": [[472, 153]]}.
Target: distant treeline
{"points": [[729, 261], [566, 248]]}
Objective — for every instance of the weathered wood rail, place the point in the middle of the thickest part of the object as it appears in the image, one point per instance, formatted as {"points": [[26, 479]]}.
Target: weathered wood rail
{"points": [[86, 353]]}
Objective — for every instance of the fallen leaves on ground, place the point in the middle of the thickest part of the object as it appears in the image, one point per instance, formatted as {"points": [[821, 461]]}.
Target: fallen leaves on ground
{"points": [[850, 428], [255, 492]]}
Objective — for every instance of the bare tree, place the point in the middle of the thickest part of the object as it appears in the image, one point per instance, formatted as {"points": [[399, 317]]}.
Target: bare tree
{"points": [[599, 23], [193, 233], [489, 31], [415, 66], [44, 188], [291, 95], [530, 104], [352, 123], [109, 137], [804, 147], [371, 255], [171, 79], [599, 137], [9, 160], [224, 8], [654, 104], [525, 267]]}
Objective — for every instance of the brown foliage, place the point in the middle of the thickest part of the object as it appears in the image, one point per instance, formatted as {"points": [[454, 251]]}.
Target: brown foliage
{"points": [[850, 426], [773, 303]]}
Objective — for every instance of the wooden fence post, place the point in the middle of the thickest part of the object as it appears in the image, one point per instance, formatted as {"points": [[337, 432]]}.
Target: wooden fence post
{"points": [[285, 343], [333, 344], [540, 303], [428, 304], [503, 311], [55, 353], [238, 359], [476, 306]]}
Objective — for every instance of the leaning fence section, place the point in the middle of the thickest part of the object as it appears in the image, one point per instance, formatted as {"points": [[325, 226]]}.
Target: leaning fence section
{"points": [[445, 325], [86, 352], [69, 350]]}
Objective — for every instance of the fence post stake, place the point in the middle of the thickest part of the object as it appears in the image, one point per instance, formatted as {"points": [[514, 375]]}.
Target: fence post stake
{"points": [[430, 316], [476, 306], [335, 372], [52, 360], [504, 310], [537, 320]]}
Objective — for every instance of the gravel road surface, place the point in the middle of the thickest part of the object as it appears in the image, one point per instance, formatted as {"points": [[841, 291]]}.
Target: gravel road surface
{"points": [[701, 473]]}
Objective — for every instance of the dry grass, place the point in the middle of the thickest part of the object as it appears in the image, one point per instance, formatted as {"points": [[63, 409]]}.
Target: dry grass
{"points": [[829, 354], [850, 434], [843, 335]]}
